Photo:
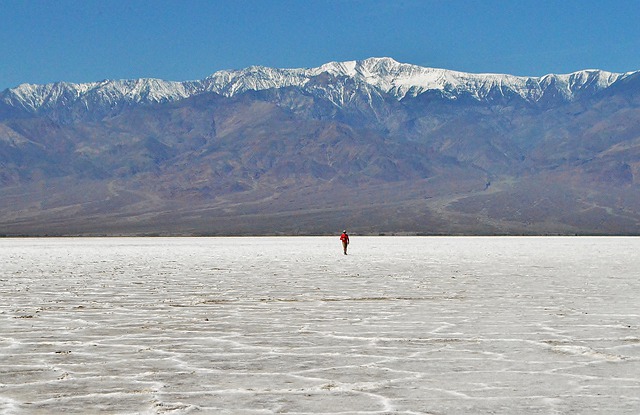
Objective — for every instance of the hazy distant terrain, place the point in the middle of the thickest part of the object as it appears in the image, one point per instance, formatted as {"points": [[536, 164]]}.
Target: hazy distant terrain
{"points": [[374, 145]]}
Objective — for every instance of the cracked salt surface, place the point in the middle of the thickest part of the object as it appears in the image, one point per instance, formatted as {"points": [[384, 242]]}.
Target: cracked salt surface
{"points": [[402, 325]]}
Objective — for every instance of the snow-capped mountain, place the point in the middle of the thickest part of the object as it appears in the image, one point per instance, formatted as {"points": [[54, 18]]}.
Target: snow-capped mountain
{"points": [[385, 145], [35, 97], [380, 75], [401, 80]]}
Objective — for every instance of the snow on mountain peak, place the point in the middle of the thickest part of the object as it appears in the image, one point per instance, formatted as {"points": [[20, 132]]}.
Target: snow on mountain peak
{"points": [[383, 74], [400, 80], [34, 97]]}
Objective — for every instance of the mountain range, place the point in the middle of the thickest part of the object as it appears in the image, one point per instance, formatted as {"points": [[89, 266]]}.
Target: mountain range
{"points": [[375, 145]]}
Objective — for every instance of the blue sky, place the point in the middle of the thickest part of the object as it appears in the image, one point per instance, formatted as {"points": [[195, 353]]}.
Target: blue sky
{"points": [[81, 41]]}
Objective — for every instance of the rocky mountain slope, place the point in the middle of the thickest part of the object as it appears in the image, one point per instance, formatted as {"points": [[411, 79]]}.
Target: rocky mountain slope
{"points": [[374, 145]]}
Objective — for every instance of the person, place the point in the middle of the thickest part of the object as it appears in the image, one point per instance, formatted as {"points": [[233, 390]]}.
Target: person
{"points": [[345, 241]]}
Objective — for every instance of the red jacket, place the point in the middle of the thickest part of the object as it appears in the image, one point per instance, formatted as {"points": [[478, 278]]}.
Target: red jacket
{"points": [[344, 238]]}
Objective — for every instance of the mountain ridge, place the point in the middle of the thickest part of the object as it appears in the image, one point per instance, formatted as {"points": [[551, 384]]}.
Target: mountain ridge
{"points": [[354, 144], [385, 74]]}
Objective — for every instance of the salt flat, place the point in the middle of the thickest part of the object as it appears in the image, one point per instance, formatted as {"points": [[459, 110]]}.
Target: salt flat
{"points": [[402, 325]]}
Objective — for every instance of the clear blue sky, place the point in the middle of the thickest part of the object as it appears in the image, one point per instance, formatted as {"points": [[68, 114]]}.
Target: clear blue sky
{"points": [[45, 41]]}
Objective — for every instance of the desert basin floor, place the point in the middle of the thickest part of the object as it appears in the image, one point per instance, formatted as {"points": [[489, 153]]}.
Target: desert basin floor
{"points": [[401, 325]]}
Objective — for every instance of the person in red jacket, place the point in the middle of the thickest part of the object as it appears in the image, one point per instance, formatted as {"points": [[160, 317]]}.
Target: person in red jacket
{"points": [[345, 241]]}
